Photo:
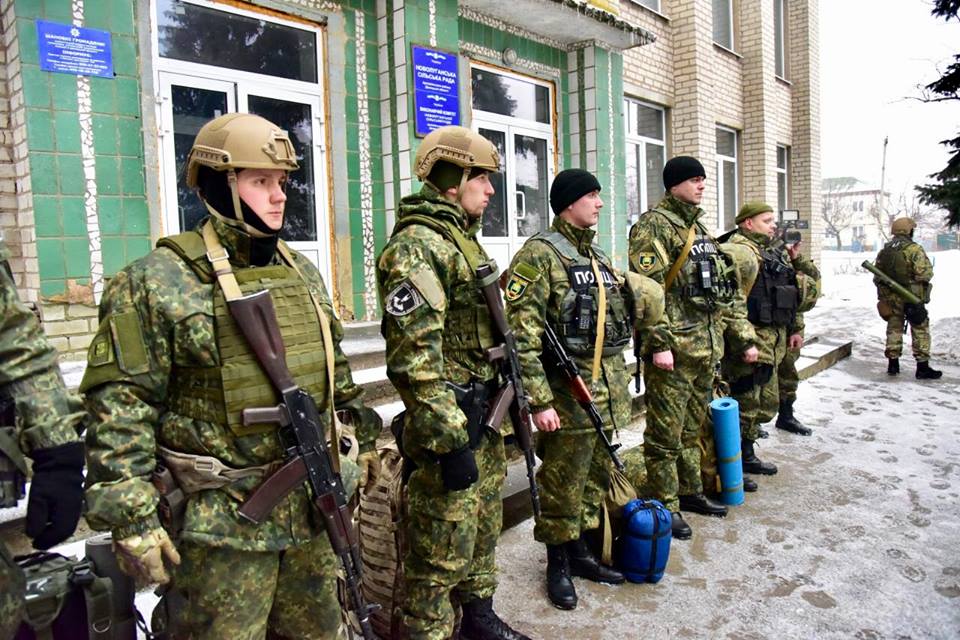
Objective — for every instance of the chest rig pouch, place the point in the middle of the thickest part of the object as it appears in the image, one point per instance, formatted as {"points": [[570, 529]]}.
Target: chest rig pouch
{"points": [[707, 279], [219, 394], [579, 308], [774, 298]]}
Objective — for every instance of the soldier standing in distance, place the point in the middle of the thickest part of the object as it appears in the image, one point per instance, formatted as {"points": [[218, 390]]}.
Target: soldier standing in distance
{"points": [[168, 376], [553, 280], [682, 352], [906, 262], [39, 418], [437, 328]]}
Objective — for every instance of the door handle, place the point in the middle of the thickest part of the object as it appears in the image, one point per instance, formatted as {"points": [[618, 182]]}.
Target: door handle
{"points": [[521, 206]]}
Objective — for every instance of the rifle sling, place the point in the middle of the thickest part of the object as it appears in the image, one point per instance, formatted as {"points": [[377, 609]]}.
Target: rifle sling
{"points": [[675, 268], [220, 261]]}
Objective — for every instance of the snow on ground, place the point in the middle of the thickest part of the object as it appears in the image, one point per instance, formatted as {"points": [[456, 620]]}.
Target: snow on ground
{"points": [[856, 537]]}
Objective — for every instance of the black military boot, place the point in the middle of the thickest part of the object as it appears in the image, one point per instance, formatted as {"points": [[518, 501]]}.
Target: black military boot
{"points": [[560, 588], [753, 464], [749, 484], [788, 422], [893, 366], [680, 529], [699, 503], [481, 623], [762, 433], [584, 564], [924, 372]]}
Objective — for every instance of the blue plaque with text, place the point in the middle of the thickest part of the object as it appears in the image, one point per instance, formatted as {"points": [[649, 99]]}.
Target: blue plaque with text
{"points": [[65, 48], [436, 89]]}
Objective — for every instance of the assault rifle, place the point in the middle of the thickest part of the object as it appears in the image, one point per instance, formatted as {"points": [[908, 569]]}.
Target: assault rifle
{"points": [[579, 390], [308, 456], [512, 398]]}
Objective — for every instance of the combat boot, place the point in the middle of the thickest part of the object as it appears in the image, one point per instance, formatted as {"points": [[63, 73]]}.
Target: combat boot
{"points": [[893, 366], [699, 503], [788, 422], [481, 623], [584, 564], [678, 528], [560, 587], [749, 484], [753, 464], [924, 372]]}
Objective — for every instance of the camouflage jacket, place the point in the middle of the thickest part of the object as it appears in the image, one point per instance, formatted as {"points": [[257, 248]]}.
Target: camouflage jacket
{"points": [[537, 300], [808, 278], [48, 416], [423, 277], [919, 271], [691, 333], [160, 301]]}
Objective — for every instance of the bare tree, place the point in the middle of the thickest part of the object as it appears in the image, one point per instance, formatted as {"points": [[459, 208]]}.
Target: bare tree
{"points": [[837, 214], [906, 205]]}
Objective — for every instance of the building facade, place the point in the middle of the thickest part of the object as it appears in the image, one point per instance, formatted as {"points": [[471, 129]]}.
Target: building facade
{"points": [[91, 164]]}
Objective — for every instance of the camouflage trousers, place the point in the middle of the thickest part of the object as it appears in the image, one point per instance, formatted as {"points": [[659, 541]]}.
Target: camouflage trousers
{"points": [[677, 403], [11, 594], [919, 333], [760, 403], [452, 539], [572, 480], [219, 592], [788, 380]]}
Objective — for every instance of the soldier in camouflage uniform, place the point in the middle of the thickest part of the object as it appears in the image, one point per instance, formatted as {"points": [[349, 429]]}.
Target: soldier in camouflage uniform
{"points": [[39, 418], [906, 262], [682, 352], [808, 280], [772, 302], [167, 378], [437, 327], [554, 280]]}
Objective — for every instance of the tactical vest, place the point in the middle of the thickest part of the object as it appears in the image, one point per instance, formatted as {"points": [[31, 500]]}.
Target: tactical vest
{"points": [[219, 394], [707, 278], [467, 323], [774, 298], [893, 261], [579, 308]]}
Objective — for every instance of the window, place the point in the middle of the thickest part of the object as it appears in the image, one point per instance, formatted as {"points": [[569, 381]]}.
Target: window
{"points": [[779, 37], [783, 177], [646, 154], [723, 23], [727, 181], [650, 4]]}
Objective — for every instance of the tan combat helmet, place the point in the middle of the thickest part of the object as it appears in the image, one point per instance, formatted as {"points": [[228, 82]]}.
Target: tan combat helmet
{"points": [[239, 141], [903, 226], [458, 146]]}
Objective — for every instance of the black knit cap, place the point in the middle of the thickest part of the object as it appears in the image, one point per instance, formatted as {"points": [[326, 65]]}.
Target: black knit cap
{"points": [[681, 168], [569, 186]]}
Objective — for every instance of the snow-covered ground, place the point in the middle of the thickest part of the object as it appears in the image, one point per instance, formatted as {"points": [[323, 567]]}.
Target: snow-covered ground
{"points": [[856, 537]]}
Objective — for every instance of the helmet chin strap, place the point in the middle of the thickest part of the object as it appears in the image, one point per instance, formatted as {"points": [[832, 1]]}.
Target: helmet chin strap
{"points": [[237, 220]]}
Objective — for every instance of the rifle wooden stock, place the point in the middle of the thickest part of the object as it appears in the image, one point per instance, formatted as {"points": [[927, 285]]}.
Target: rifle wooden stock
{"points": [[578, 388], [519, 408], [257, 319]]}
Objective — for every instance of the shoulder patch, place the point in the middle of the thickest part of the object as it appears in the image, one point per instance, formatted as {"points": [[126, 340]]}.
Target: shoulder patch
{"points": [[424, 279], [403, 300], [521, 276], [100, 351], [646, 260]]}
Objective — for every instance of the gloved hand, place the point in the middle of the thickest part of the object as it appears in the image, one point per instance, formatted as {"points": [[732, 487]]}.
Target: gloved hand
{"points": [[458, 469], [56, 494], [141, 556], [369, 463]]}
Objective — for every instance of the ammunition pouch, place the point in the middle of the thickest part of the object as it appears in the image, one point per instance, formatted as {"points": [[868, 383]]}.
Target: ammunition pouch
{"points": [[396, 428], [173, 501], [473, 399], [761, 375], [915, 314], [884, 309]]}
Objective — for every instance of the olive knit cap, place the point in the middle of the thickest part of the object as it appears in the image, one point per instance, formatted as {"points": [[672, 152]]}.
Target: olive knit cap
{"points": [[750, 209]]}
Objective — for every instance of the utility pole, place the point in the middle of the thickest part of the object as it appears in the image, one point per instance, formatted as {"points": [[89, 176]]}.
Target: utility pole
{"points": [[882, 218]]}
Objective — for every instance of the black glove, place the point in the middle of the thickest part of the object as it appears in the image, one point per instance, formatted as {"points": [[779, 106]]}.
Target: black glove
{"points": [[56, 494], [458, 469], [915, 313]]}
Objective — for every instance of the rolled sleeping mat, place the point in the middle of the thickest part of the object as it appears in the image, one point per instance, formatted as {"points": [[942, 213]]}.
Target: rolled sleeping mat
{"points": [[725, 413]]}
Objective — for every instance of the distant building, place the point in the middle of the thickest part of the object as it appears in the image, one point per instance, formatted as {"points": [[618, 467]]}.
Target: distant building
{"points": [[851, 215]]}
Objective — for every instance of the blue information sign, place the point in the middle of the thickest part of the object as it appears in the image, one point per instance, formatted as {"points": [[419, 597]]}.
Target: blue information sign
{"points": [[65, 48], [436, 89]]}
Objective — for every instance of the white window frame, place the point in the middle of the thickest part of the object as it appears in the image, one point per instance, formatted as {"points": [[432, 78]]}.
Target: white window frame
{"points": [[780, 38], [722, 222], [731, 34], [633, 138], [783, 173], [653, 5]]}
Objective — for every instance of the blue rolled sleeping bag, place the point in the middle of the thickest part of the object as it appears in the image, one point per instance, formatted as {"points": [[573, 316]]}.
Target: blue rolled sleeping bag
{"points": [[725, 413], [644, 546]]}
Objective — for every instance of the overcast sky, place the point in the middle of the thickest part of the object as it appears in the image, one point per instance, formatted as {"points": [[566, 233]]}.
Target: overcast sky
{"points": [[873, 55]]}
